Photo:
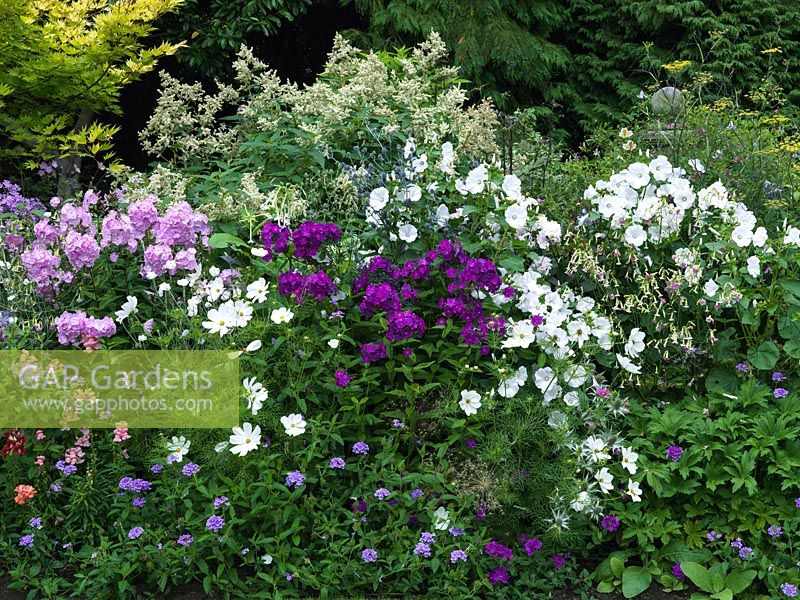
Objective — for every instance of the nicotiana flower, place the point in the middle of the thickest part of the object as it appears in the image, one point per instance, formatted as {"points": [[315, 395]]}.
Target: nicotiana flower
{"points": [[294, 424], [245, 438], [470, 402]]}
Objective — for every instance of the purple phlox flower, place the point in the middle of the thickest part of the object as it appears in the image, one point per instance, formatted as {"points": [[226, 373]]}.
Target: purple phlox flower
{"points": [[677, 573], [498, 550], [458, 555], [558, 561], [532, 546], [499, 575], [342, 379], [135, 533]]}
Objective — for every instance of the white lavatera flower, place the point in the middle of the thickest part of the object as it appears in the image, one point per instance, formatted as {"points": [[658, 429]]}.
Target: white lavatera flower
{"points": [[378, 198], [635, 235], [754, 266], [571, 398], [516, 216], [411, 193], [710, 288], [512, 186], [742, 236], [408, 233]]}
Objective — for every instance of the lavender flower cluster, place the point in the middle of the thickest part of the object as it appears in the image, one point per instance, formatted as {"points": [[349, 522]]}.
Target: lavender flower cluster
{"points": [[168, 241]]}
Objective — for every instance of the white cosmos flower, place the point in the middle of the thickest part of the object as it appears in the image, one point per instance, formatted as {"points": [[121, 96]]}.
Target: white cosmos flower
{"points": [[221, 320], [215, 289], [257, 291], [711, 288], [628, 365], [245, 438], [634, 491], [635, 343], [629, 458], [179, 446], [605, 480], [635, 235], [294, 424], [253, 346], [596, 448], [256, 394], [407, 233], [470, 402], [242, 310], [754, 266], [128, 308], [378, 198], [281, 315]]}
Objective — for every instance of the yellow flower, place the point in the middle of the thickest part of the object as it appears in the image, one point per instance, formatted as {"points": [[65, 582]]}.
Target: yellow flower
{"points": [[776, 50], [677, 66]]}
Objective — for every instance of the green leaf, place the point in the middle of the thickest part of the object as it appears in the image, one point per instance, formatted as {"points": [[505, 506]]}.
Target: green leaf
{"points": [[725, 594], [765, 356], [223, 240], [698, 575], [605, 587], [513, 263], [738, 581], [617, 566], [635, 580]]}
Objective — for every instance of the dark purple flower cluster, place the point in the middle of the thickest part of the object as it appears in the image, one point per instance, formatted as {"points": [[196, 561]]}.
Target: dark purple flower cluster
{"points": [[294, 284], [306, 239], [373, 352], [379, 297], [498, 550], [499, 575], [404, 325]]}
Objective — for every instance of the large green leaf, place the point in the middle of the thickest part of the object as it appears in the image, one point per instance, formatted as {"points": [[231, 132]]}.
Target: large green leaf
{"points": [[698, 575], [765, 356], [635, 580], [738, 581]]}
